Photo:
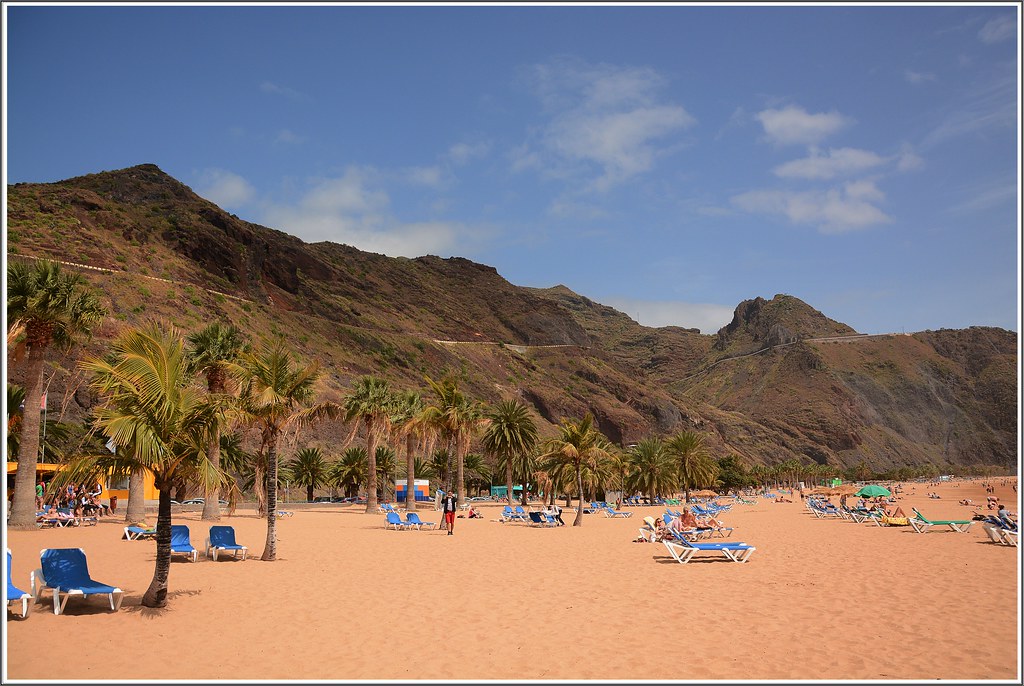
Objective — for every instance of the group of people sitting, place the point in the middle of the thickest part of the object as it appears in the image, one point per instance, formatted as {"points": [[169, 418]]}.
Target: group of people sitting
{"points": [[82, 501], [655, 529]]}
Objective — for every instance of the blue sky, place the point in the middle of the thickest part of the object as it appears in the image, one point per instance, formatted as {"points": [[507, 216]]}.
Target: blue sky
{"points": [[669, 161]]}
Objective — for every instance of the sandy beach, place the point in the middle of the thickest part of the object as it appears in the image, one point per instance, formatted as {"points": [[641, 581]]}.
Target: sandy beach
{"points": [[346, 600]]}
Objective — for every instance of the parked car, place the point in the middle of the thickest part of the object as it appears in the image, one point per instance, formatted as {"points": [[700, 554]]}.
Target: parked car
{"points": [[322, 499], [199, 501]]}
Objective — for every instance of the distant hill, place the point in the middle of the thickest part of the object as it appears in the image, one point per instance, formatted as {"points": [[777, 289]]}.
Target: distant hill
{"points": [[780, 381]]}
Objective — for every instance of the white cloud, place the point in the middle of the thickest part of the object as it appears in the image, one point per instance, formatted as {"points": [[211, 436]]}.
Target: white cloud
{"points": [[918, 76], [864, 190], [908, 159], [619, 143], [224, 188], [431, 177], [987, 106], [523, 157], [836, 162], [794, 125], [988, 195], [275, 89], [602, 119], [351, 210], [835, 210], [289, 137], [998, 29], [566, 207], [462, 153], [708, 318]]}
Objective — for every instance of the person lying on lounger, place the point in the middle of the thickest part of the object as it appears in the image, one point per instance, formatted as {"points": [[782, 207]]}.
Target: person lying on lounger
{"points": [[55, 516], [889, 512]]}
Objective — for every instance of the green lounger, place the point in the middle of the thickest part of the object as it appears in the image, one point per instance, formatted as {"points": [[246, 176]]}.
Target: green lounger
{"points": [[922, 524]]}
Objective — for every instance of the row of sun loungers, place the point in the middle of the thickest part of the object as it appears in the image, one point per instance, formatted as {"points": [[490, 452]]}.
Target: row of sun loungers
{"points": [[999, 529], [521, 516], [53, 517], [65, 571], [220, 540], [411, 521]]}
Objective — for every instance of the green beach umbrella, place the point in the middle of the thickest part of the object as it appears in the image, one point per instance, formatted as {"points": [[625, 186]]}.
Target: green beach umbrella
{"points": [[872, 491]]}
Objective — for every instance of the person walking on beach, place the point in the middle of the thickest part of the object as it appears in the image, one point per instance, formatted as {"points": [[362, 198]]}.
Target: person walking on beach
{"points": [[449, 504]]}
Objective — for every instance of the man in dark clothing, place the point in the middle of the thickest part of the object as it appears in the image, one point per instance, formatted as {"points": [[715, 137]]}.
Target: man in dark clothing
{"points": [[449, 504]]}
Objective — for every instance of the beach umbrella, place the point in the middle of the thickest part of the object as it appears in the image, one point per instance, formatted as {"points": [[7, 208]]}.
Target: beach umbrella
{"points": [[845, 489], [705, 494], [823, 490], [873, 491]]}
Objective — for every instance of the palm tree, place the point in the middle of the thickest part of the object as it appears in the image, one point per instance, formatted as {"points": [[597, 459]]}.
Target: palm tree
{"points": [[349, 472], [55, 309], [212, 352], [458, 418], [439, 465], [15, 410], [695, 465], [386, 468], [308, 468], [159, 421], [278, 393], [510, 433], [523, 467], [652, 469], [235, 464], [579, 444], [476, 470], [370, 402], [55, 433], [408, 425]]}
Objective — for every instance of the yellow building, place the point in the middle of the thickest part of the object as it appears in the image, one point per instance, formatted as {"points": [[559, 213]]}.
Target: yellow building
{"points": [[117, 489]]}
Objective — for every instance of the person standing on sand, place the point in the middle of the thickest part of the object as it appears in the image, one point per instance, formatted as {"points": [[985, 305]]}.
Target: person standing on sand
{"points": [[449, 504]]}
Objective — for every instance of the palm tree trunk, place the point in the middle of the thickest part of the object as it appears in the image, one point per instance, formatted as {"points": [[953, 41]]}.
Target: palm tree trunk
{"points": [[23, 508], [460, 467], [410, 482], [508, 477], [156, 594], [135, 512], [579, 488], [371, 464], [270, 552], [211, 506], [309, 493], [259, 485]]}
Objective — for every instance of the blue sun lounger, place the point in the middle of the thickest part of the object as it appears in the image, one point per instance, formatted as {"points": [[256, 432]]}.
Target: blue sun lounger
{"points": [[14, 594], [65, 570], [413, 519], [397, 523], [683, 550], [222, 539], [134, 533], [609, 512], [540, 520], [181, 543]]}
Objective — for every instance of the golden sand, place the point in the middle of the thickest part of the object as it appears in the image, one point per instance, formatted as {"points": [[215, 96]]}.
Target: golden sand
{"points": [[347, 599]]}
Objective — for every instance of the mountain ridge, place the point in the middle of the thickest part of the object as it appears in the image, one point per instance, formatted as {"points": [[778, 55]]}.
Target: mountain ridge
{"points": [[759, 386]]}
